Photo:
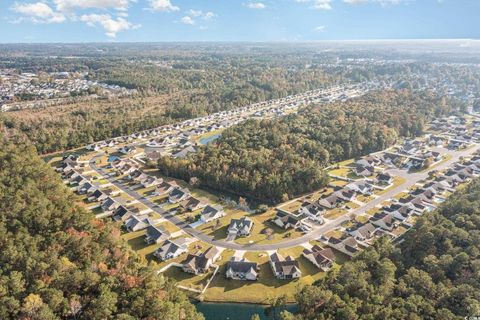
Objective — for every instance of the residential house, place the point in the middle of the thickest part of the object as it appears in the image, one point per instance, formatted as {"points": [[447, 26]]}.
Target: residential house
{"points": [[86, 188], [330, 201], [240, 227], [136, 223], [368, 161], [361, 187], [347, 245], [127, 149], [166, 187], [241, 270], [170, 249], [178, 195], [399, 211], [321, 258], [150, 181], [285, 220], [345, 194], [192, 204], [364, 171], [109, 204], [121, 214], [364, 232], [97, 195], [198, 264], [210, 213], [384, 179], [312, 211], [156, 234], [285, 268], [384, 221]]}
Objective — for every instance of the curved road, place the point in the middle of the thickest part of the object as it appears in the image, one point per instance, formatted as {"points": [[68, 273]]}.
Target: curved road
{"points": [[411, 179]]}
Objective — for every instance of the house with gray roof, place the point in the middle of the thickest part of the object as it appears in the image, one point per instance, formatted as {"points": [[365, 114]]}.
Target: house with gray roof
{"points": [[240, 227]]}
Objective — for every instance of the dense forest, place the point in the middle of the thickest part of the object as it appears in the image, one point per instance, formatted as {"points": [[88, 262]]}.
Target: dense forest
{"points": [[56, 262], [433, 274], [275, 159]]}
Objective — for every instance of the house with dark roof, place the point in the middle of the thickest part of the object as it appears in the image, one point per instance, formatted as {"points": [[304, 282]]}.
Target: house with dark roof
{"points": [[156, 234], [210, 213], [121, 214], [242, 270], [284, 268], [347, 245], [384, 221], [178, 195], [285, 220], [384, 179], [192, 204], [345, 194], [399, 211], [364, 171], [170, 249], [240, 227], [109, 204], [323, 259], [86, 188], [166, 187], [97, 195], [312, 211], [198, 264]]}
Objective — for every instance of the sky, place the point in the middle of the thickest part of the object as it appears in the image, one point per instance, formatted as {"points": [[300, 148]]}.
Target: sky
{"points": [[39, 21]]}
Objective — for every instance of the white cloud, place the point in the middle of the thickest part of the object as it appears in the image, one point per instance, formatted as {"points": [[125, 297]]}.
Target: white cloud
{"points": [[209, 15], [195, 13], [112, 26], [38, 12], [318, 4], [163, 6], [187, 20], [70, 5], [322, 4], [319, 29], [192, 15], [255, 5]]}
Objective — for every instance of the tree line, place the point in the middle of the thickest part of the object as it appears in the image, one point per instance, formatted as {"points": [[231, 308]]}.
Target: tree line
{"points": [[273, 160]]}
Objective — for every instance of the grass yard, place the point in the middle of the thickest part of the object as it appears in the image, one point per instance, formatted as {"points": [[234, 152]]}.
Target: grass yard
{"points": [[258, 235], [196, 282], [340, 172], [266, 287], [397, 181], [291, 206], [335, 213]]}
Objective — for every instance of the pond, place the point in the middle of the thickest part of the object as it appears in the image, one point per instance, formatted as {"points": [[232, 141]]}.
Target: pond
{"points": [[113, 158], [207, 140], [236, 311]]}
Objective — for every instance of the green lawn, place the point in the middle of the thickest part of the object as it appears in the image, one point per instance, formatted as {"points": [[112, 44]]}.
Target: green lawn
{"points": [[197, 282], [335, 213], [397, 181]]}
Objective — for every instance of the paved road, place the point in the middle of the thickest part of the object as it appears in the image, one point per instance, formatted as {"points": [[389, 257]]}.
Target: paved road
{"points": [[411, 179]]}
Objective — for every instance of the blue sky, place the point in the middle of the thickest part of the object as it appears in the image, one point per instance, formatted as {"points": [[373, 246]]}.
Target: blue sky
{"points": [[232, 20]]}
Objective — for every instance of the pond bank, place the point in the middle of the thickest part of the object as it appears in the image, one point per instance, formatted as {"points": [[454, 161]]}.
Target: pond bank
{"points": [[236, 311]]}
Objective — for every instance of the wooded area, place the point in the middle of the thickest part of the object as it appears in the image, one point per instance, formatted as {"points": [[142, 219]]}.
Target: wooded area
{"points": [[273, 160], [58, 262], [434, 274]]}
